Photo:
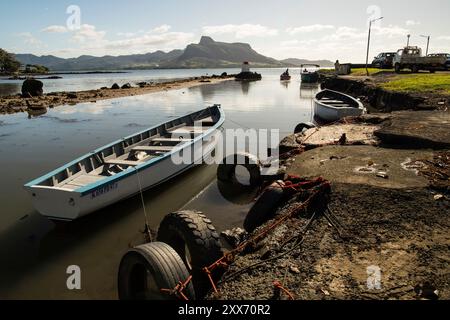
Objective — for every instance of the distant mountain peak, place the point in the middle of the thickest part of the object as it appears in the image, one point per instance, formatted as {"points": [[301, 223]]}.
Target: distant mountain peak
{"points": [[205, 40], [208, 53]]}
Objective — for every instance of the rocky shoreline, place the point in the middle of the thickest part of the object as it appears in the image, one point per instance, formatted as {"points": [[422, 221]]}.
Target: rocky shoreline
{"points": [[390, 191], [17, 103]]}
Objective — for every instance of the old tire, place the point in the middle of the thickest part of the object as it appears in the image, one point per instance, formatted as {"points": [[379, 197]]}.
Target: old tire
{"points": [[197, 242], [227, 170], [264, 207], [147, 269], [302, 126]]}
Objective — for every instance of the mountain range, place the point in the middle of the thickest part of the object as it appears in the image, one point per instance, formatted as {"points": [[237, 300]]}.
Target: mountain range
{"points": [[206, 54]]}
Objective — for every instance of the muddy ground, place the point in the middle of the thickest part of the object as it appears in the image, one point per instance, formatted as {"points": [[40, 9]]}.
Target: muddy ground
{"points": [[15, 104], [403, 232], [393, 204]]}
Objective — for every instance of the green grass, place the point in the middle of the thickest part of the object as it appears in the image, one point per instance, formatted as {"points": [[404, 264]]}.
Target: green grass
{"points": [[372, 71], [439, 83]]}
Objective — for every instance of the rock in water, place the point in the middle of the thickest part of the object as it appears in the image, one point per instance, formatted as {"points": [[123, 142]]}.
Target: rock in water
{"points": [[126, 86], [32, 87], [115, 86]]}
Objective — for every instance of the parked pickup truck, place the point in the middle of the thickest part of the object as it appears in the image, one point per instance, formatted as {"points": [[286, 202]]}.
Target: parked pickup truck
{"points": [[411, 58], [447, 58]]}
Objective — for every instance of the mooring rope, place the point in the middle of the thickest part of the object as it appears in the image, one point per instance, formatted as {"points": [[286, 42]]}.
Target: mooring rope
{"points": [[147, 221]]}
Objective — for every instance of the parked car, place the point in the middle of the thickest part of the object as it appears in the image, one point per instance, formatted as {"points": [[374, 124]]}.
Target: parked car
{"points": [[384, 60], [447, 57], [412, 58]]}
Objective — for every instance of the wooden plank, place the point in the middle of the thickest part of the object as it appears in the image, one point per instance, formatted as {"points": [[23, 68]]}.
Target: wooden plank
{"points": [[171, 140], [123, 162], [153, 149]]}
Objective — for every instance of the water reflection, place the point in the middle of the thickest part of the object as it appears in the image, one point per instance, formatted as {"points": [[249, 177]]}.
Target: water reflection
{"points": [[285, 84], [10, 89]]}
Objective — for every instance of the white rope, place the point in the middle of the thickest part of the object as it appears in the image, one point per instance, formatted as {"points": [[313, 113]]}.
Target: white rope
{"points": [[147, 224]]}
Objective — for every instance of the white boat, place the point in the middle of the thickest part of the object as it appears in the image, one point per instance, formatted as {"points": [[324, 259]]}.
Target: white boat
{"points": [[125, 167], [332, 106]]}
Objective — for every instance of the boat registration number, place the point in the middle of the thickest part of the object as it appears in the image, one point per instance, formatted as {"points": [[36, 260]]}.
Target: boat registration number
{"points": [[106, 189]]}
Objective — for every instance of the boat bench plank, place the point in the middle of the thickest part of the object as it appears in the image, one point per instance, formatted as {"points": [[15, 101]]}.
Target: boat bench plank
{"points": [[189, 130], [340, 105], [153, 149], [331, 101], [171, 140], [126, 163]]}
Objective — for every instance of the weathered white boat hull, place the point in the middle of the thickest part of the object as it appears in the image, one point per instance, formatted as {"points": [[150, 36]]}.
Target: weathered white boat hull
{"points": [[66, 204], [332, 113]]}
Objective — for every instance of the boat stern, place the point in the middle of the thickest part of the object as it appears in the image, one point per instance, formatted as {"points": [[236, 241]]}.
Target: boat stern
{"points": [[55, 204]]}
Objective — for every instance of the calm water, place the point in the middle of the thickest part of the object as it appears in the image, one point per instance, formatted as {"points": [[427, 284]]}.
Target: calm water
{"points": [[81, 82], [34, 252]]}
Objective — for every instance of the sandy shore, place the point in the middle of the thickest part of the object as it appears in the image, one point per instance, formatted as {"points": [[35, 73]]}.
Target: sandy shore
{"points": [[15, 104]]}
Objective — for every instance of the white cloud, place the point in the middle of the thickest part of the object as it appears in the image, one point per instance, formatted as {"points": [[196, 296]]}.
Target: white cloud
{"points": [[126, 34], [151, 41], [310, 28], [88, 32], [290, 43], [445, 38], [240, 31], [55, 29], [31, 40], [162, 29], [412, 23], [391, 31]]}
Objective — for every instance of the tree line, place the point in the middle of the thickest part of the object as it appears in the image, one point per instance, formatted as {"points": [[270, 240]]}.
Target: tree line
{"points": [[9, 65]]}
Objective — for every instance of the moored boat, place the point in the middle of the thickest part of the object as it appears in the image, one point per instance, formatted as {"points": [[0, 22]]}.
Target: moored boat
{"points": [[285, 76], [310, 73], [332, 106], [126, 167]]}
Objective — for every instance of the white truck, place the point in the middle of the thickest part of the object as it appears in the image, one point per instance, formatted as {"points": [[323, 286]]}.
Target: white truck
{"points": [[411, 58]]}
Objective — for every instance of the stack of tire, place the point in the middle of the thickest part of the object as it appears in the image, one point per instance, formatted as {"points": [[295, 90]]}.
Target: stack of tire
{"points": [[187, 243]]}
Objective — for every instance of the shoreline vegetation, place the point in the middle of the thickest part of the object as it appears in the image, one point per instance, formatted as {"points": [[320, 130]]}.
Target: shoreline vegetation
{"points": [[16, 103]]}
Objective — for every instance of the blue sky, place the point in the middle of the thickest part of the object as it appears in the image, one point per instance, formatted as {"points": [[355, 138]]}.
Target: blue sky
{"points": [[317, 29]]}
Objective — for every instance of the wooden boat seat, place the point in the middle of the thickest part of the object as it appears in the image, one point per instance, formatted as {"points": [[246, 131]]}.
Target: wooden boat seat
{"points": [[125, 163], [189, 130], [332, 101], [80, 181], [153, 149], [341, 105], [170, 140]]}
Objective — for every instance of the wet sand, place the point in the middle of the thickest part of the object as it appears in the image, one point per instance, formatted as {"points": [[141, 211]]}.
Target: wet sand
{"points": [[15, 104]]}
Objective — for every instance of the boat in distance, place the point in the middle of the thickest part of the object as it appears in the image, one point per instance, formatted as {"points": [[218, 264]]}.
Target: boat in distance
{"points": [[310, 73], [126, 167], [332, 106]]}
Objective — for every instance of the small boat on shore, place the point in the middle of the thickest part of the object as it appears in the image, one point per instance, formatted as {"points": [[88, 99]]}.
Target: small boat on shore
{"points": [[126, 167], [310, 73], [332, 106], [285, 76]]}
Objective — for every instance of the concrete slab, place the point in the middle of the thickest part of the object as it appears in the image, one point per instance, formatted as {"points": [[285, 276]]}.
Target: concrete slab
{"points": [[378, 167], [356, 134], [417, 129]]}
